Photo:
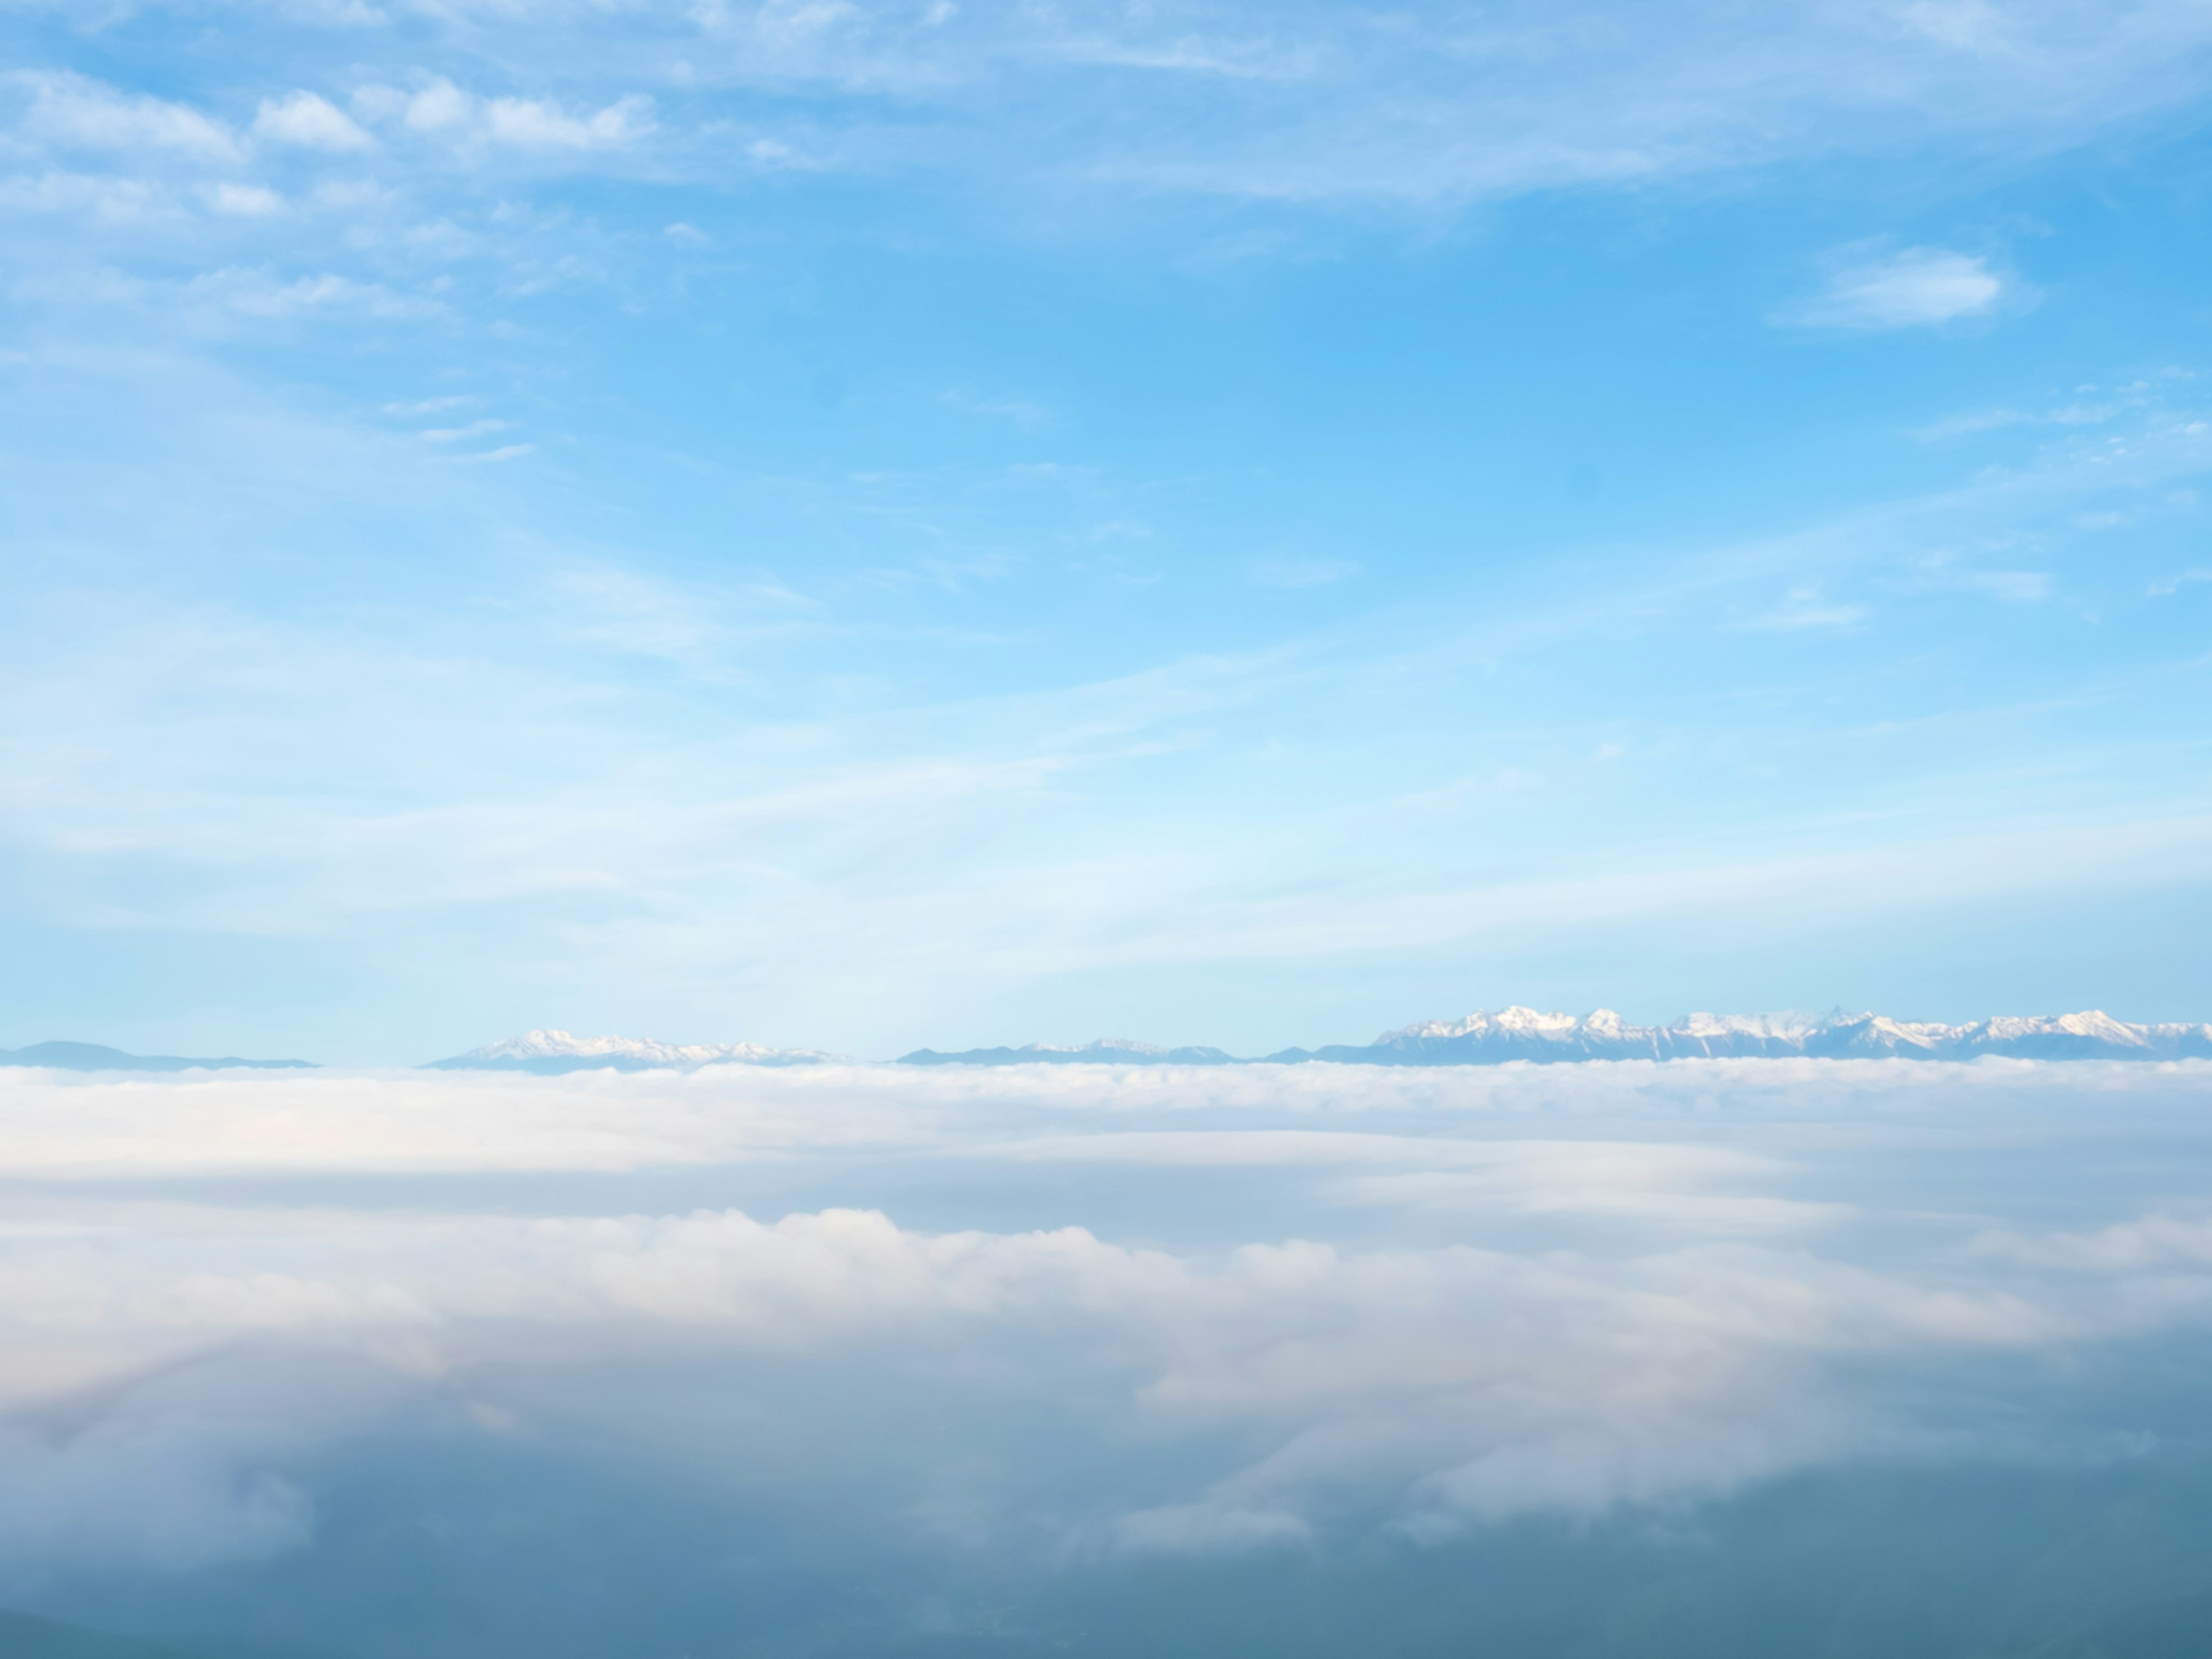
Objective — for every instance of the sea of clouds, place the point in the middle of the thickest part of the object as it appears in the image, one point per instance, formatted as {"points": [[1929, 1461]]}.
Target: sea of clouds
{"points": [[1030, 1324]]}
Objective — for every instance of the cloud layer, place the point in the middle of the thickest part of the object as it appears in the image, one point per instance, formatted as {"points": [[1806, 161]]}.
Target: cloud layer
{"points": [[1424, 1303]]}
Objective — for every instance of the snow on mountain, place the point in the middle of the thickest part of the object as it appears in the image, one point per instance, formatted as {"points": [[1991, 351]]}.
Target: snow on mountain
{"points": [[1526, 1034], [1486, 1038], [550, 1052], [2068, 1034], [1482, 1038]]}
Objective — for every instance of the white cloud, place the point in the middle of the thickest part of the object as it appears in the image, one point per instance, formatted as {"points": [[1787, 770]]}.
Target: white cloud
{"points": [[439, 108], [1320, 106], [1496, 1374], [254, 292], [1993, 420], [1970, 24], [2151, 1242], [1913, 289], [2020, 587], [1939, 572], [72, 112], [2174, 584], [1803, 610], [432, 405], [244, 201], [455, 434], [106, 199], [1574, 1319], [310, 122], [1651, 1180], [775, 153], [538, 123]]}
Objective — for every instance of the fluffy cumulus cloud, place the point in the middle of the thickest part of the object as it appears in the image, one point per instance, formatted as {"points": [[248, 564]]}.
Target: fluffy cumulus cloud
{"points": [[439, 108], [302, 118], [1423, 1302]]}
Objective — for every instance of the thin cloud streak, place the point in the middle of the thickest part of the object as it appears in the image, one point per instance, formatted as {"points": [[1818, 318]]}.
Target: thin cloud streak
{"points": [[1916, 288], [837, 832]]}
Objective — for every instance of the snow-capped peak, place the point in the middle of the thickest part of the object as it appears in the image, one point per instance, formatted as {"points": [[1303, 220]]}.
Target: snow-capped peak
{"points": [[1518, 1033], [550, 1050]]}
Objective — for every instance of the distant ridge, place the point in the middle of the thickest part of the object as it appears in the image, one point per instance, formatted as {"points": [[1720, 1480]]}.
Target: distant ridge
{"points": [[1106, 1051], [1481, 1039], [1524, 1033], [92, 1057], [550, 1053]]}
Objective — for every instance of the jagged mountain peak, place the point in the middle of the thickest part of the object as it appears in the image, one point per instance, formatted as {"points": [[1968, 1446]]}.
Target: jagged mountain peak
{"points": [[1519, 1033]]}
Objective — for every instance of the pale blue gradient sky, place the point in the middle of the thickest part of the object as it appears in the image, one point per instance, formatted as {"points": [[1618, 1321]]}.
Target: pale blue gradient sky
{"points": [[856, 526]]}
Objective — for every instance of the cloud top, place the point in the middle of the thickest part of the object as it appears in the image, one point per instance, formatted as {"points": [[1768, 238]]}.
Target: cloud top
{"points": [[1548, 1290]]}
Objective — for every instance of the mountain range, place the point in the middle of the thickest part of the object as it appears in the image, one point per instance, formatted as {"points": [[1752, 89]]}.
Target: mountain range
{"points": [[1524, 1033], [1481, 1039], [550, 1053], [1107, 1051]]}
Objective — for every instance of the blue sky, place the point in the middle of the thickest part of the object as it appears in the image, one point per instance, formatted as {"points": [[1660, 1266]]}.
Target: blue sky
{"points": [[856, 526]]}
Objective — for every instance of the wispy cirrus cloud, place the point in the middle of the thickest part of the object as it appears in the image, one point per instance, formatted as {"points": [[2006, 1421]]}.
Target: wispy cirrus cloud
{"points": [[1913, 288], [1802, 609], [265, 294], [1281, 106]]}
